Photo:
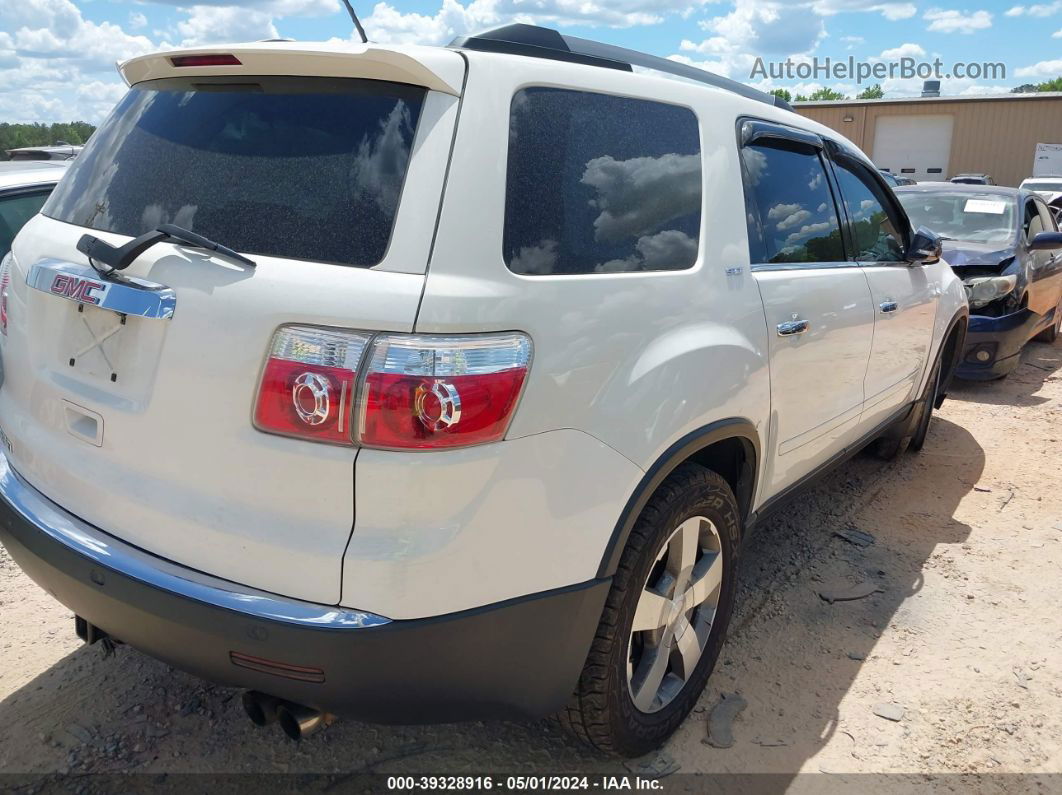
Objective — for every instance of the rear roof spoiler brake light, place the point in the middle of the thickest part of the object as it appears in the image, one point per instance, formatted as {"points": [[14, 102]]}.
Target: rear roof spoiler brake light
{"points": [[435, 68], [218, 59]]}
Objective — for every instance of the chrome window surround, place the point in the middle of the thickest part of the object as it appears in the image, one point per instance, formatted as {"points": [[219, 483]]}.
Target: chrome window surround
{"points": [[85, 540], [758, 267]]}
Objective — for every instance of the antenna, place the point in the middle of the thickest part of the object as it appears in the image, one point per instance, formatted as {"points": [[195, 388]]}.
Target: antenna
{"points": [[357, 23]]}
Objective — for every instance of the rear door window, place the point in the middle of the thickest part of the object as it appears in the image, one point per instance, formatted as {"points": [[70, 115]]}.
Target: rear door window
{"points": [[296, 167], [791, 212], [600, 184], [15, 209]]}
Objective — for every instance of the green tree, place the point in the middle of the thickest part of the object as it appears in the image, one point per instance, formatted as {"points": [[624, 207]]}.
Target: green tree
{"points": [[15, 136], [826, 94], [1024, 88], [872, 92], [1050, 85], [800, 98], [781, 93]]}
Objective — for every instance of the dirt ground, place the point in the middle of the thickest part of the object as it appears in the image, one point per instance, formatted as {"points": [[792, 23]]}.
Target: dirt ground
{"points": [[963, 638]]}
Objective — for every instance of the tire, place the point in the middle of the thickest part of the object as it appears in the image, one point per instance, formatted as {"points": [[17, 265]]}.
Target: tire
{"points": [[910, 433], [616, 706], [925, 409], [1049, 335], [894, 443]]}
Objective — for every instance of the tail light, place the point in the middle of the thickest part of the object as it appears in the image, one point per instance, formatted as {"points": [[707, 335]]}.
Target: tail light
{"points": [[417, 391], [308, 383], [5, 284], [426, 392]]}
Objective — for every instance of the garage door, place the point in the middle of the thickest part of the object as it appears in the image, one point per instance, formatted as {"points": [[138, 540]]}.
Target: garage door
{"points": [[914, 146]]}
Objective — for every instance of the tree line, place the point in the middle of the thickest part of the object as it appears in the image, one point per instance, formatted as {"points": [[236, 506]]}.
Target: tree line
{"points": [[876, 92], [15, 136]]}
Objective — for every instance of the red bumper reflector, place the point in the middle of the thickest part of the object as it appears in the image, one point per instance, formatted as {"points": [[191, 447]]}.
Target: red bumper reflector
{"points": [[205, 60], [287, 670]]}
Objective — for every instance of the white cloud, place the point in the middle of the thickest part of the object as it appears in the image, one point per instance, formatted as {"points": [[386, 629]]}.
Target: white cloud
{"points": [[851, 42], [137, 20], [278, 8], [1041, 69], [895, 11], [212, 24], [890, 10], [1036, 10], [1057, 34], [952, 21], [389, 25], [906, 50], [754, 29]]}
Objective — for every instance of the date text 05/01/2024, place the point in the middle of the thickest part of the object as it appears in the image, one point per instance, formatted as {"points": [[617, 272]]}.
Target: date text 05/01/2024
{"points": [[522, 783]]}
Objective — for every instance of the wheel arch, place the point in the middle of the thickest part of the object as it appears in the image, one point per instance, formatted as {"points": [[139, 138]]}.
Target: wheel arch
{"points": [[951, 352], [729, 447]]}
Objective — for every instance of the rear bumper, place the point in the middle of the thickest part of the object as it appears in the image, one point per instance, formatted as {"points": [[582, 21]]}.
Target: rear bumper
{"points": [[520, 658], [1000, 339]]}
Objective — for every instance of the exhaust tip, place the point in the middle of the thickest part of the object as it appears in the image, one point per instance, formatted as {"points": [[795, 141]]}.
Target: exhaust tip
{"points": [[260, 708], [298, 721]]}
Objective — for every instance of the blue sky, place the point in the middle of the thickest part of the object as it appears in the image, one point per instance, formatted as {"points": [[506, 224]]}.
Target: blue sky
{"points": [[57, 56]]}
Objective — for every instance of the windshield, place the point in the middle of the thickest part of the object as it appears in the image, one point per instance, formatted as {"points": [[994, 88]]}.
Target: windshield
{"points": [[304, 168], [974, 217], [1042, 186]]}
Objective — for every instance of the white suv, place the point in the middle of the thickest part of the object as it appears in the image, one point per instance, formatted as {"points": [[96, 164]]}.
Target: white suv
{"points": [[519, 343]]}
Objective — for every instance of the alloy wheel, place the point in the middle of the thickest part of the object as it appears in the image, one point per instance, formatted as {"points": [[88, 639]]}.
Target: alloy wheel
{"points": [[674, 615]]}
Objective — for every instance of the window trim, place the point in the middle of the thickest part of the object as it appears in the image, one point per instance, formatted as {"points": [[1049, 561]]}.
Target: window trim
{"points": [[752, 131]]}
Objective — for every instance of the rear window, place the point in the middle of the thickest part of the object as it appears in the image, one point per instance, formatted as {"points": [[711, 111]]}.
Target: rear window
{"points": [[304, 168], [600, 184]]}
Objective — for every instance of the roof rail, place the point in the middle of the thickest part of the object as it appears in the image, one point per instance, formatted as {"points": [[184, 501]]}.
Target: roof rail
{"points": [[539, 42]]}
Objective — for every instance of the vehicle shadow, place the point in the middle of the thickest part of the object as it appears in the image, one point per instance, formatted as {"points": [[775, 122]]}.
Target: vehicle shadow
{"points": [[790, 654], [1039, 363]]}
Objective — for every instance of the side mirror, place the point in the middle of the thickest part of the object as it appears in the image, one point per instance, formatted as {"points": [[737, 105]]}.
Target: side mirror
{"points": [[1046, 241], [925, 246]]}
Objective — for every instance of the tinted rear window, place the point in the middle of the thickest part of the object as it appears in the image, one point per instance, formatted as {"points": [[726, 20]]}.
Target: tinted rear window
{"points": [[598, 184], [305, 168]]}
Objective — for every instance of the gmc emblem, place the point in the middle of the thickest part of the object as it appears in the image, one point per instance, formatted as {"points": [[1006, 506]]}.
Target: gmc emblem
{"points": [[76, 288]]}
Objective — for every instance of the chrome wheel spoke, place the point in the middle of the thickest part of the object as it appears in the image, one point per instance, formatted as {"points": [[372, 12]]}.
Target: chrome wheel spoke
{"points": [[688, 647], [707, 577], [649, 676], [652, 611], [683, 548]]}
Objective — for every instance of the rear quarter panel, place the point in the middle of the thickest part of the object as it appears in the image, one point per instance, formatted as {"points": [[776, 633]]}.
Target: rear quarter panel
{"points": [[636, 360]]}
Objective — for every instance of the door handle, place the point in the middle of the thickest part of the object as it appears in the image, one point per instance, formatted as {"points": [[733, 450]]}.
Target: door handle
{"points": [[791, 327], [888, 306]]}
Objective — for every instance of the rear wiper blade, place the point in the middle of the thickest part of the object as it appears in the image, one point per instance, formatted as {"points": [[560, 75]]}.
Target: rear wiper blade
{"points": [[118, 258], [190, 238]]}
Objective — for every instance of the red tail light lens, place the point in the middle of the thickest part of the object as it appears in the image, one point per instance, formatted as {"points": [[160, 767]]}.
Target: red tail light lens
{"points": [[218, 59], [308, 383], [429, 392], [5, 284]]}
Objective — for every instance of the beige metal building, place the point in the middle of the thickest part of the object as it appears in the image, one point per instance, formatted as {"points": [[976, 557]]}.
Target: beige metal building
{"points": [[935, 138]]}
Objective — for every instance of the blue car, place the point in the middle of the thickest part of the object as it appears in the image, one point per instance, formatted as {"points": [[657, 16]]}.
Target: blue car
{"points": [[1005, 245]]}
